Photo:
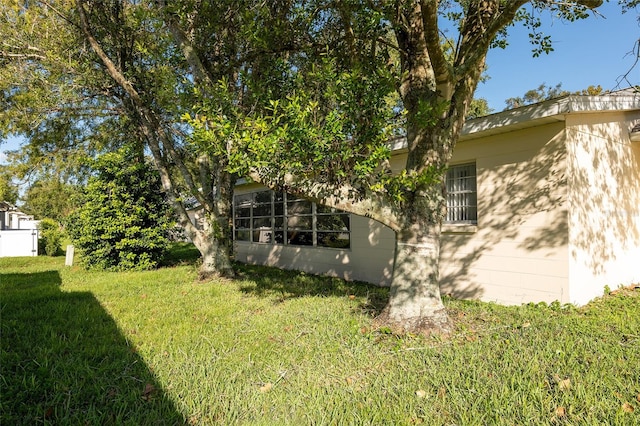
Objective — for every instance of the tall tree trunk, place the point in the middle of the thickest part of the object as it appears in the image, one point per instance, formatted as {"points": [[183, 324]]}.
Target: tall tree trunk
{"points": [[415, 304], [215, 256], [217, 204], [216, 244]]}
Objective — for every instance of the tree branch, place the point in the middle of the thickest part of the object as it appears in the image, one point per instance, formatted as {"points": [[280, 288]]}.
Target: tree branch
{"points": [[150, 127], [480, 27], [483, 21], [441, 67], [21, 55], [372, 205], [200, 73]]}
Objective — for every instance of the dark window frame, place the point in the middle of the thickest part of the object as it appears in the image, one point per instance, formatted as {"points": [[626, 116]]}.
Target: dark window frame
{"points": [[462, 194], [282, 217]]}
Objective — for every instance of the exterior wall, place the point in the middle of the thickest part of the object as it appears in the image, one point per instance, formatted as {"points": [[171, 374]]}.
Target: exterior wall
{"points": [[604, 220], [18, 232], [16, 220], [28, 223], [518, 251], [370, 257]]}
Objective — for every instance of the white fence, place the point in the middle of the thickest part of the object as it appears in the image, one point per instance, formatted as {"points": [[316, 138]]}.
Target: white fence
{"points": [[18, 242]]}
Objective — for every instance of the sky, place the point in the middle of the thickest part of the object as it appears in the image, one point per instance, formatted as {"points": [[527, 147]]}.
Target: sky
{"points": [[595, 51]]}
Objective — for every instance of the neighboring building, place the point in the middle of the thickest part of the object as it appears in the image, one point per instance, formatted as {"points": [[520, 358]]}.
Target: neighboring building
{"points": [[12, 218], [18, 232], [544, 205]]}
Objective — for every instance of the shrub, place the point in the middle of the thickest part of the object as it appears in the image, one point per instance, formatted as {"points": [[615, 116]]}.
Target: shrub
{"points": [[50, 237], [123, 220]]}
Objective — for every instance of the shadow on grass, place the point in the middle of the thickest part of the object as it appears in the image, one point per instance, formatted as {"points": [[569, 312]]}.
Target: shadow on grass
{"points": [[181, 254], [63, 360], [281, 284]]}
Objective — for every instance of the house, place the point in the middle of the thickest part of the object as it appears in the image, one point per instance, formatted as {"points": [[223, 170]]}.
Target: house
{"points": [[18, 232], [12, 218], [544, 205]]}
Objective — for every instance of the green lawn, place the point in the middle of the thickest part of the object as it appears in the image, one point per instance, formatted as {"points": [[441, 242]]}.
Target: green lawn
{"points": [[275, 347]]}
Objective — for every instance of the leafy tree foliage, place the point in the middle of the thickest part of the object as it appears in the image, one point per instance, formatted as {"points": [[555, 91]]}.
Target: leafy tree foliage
{"points": [[8, 190], [49, 199], [479, 108], [92, 74], [122, 221], [544, 93], [49, 94], [48, 177], [541, 93]]}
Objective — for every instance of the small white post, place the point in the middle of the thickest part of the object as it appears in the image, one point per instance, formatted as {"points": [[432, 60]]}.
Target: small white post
{"points": [[68, 261]]}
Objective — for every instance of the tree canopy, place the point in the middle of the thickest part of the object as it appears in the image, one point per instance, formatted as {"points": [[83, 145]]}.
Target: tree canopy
{"points": [[92, 76], [49, 199], [8, 190], [544, 93]]}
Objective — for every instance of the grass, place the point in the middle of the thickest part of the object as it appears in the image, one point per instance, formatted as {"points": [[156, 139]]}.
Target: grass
{"points": [[279, 347]]}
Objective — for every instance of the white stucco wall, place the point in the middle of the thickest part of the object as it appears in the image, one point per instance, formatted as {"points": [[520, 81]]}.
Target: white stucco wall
{"points": [[518, 251], [604, 220]]}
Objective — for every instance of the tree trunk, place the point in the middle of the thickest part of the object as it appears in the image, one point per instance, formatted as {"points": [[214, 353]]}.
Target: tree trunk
{"points": [[415, 305], [215, 256]]}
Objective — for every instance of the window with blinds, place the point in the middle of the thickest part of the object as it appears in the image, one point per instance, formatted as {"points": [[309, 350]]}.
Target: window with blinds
{"points": [[462, 194]]}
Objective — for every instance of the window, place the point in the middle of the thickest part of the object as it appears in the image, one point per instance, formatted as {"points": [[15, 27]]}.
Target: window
{"points": [[278, 218], [242, 217], [299, 221], [332, 227], [462, 194], [262, 218]]}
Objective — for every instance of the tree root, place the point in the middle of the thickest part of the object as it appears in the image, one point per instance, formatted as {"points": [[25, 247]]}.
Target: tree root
{"points": [[208, 274], [436, 323]]}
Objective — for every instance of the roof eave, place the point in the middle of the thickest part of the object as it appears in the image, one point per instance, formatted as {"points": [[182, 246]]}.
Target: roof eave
{"points": [[546, 112]]}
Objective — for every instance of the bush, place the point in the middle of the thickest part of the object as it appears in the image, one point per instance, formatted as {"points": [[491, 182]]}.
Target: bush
{"points": [[123, 220], [50, 237]]}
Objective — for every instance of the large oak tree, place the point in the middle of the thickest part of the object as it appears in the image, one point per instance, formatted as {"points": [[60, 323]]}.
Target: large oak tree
{"points": [[106, 73]]}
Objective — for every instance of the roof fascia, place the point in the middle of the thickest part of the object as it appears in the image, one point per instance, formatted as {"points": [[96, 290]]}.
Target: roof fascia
{"points": [[547, 111]]}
